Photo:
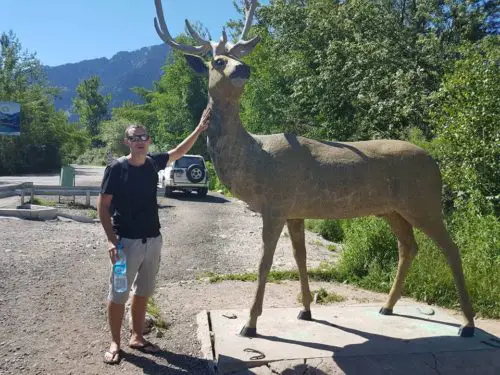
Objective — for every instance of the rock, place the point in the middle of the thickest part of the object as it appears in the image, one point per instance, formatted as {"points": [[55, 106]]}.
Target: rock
{"points": [[425, 310]]}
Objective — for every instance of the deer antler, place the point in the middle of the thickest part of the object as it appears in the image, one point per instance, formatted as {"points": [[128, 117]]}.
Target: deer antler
{"points": [[164, 34], [241, 48], [244, 47]]}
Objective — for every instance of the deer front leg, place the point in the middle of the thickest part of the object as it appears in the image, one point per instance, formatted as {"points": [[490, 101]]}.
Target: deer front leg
{"points": [[297, 235], [271, 230]]}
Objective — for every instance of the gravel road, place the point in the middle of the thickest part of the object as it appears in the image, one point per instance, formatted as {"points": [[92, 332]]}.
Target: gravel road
{"points": [[54, 281]]}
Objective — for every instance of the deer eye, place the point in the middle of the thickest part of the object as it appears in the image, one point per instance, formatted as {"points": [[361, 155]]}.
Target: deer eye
{"points": [[219, 63]]}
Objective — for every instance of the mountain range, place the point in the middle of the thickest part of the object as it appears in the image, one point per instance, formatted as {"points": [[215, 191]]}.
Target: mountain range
{"points": [[118, 75]]}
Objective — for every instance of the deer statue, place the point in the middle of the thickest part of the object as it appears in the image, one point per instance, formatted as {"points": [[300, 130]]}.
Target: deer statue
{"points": [[287, 178]]}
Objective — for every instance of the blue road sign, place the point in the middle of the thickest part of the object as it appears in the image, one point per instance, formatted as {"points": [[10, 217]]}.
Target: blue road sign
{"points": [[10, 118]]}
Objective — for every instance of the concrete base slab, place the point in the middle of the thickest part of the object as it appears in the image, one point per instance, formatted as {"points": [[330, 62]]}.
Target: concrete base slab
{"points": [[31, 212], [345, 336]]}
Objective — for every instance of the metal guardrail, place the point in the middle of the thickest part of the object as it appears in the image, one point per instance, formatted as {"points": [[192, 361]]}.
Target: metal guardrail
{"points": [[28, 188]]}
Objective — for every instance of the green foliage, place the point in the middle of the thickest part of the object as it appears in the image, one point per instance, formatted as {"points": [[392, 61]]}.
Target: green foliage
{"points": [[91, 106], [478, 239], [324, 297], [173, 108], [214, 182], [153, 310], [113, 134], [466, 118], [347, 70], [369, 245], [328, 229], [94, 156], [370, 260], [47, 140]]}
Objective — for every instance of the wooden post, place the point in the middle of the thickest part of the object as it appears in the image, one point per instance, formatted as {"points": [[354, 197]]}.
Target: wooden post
{"points": [[88, 198]]}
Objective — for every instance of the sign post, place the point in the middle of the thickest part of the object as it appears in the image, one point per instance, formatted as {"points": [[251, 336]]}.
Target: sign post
{"points": [[10, 118]]}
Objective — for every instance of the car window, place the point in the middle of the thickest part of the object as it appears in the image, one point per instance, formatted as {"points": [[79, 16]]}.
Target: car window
{"points": [[186, 161]]}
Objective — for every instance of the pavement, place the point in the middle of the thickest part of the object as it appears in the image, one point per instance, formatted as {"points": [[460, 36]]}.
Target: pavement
{"points": [[350, 339]]}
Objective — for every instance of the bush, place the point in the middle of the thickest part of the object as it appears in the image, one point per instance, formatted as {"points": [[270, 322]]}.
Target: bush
{"points": [[94, 156], [477, 237], [214, 182], [330, 230], [370, 260], [370, 249]]}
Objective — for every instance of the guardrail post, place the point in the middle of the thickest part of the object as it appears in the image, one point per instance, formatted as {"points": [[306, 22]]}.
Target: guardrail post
{"points": [[22, 196], [88, 198]]}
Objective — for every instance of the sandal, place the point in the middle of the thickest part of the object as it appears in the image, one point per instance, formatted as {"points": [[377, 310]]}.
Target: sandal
{"points": [[146, 347], [114, 357]]}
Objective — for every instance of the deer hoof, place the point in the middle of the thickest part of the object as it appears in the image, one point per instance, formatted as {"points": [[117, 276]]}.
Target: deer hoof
{"points": [[248, 332], [384, 311], [305, 315], [466, 331]]}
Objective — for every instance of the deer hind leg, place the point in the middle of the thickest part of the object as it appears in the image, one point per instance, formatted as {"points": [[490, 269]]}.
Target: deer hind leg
{"points": [[434, 228], [297, 235], [407, 251], [271, 230]]}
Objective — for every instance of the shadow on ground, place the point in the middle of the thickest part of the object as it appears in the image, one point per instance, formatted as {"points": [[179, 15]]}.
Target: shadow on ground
{"points": [[177, 363], [194, 198]]}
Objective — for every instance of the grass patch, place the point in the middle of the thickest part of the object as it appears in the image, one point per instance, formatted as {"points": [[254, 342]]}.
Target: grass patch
{"points": [[154, 311], [274, 276], [332, 247], [92, 213], [325, 297], [81, 206], [42, 202], [325, 272]]}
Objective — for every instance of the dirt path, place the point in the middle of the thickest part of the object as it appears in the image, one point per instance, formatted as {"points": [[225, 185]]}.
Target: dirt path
{"points": [[54, 281]]}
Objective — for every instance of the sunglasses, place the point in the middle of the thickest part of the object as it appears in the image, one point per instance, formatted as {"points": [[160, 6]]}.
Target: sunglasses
{"points": [[137, 138]]}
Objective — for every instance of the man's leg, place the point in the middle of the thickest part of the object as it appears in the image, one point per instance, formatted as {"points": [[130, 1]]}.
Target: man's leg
{"points": [[115, 318], [116, 301], [143, 287], [138, 312]]}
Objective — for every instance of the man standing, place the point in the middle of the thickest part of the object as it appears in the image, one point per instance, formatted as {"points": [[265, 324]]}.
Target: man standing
{"points": [[130, 186]]}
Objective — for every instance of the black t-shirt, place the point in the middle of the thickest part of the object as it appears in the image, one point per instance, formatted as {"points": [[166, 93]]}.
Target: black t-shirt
{"points": [[134, 204]]}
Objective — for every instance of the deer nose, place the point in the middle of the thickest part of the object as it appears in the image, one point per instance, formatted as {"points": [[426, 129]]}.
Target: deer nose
{"points": [[240, 71]]}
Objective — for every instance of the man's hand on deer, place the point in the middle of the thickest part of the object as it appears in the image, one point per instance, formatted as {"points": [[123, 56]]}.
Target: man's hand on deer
{"points": [[205, 120]]}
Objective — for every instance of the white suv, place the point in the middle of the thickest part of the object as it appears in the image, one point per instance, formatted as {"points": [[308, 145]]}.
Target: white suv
{"points": [[186, 174]]}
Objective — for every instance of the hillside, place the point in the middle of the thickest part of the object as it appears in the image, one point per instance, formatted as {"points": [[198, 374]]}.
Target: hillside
{"points": [[119, 74]]}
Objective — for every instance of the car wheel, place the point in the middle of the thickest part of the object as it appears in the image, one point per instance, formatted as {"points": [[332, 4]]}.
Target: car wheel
{"points": [[202, 192], [195, 173]]}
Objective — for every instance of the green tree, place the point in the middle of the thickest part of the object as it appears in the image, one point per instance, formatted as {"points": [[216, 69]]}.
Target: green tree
{"points": [[90, 105], [353, 70], [47, 140], [173, 108], [466, 118]]}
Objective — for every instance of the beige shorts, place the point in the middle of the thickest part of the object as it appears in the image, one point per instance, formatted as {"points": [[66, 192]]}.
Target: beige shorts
{"points": [[143, 262]]}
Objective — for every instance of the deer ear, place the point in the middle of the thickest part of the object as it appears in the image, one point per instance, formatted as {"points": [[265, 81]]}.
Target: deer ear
{"points": [[197, 64]]}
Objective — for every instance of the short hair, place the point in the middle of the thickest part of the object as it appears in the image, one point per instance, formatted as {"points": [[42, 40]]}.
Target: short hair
{"points": [[134, 126]]}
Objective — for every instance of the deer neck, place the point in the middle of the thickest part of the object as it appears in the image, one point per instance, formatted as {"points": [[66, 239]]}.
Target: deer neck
{"points": [[231, 147], [225, 121]]}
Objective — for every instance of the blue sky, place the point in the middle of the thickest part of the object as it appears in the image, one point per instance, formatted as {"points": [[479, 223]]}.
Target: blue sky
{"points": [[65, 31]]}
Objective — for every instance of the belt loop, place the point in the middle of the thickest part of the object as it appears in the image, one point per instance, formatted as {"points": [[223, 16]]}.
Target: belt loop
{"points": [[144, 240]]}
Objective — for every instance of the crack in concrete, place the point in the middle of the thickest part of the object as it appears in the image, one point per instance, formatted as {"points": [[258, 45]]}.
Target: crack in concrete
{"points": [[435, 367]]}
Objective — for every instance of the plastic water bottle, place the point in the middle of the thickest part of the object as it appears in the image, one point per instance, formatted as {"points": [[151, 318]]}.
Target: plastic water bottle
{"points": [[120, 283]]}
